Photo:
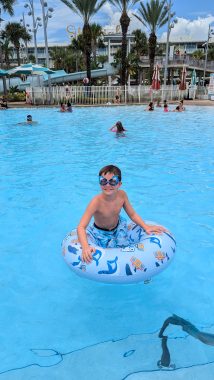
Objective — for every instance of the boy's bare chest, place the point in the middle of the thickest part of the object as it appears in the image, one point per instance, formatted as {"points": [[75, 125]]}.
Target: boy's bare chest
{"points": [[110, 209]]}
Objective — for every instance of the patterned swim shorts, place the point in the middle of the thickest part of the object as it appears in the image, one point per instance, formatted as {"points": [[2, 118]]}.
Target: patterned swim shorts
{"points": [[109, 239]]}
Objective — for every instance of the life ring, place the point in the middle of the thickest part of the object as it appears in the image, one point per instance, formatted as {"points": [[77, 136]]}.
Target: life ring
{"points": [[145, 257]]}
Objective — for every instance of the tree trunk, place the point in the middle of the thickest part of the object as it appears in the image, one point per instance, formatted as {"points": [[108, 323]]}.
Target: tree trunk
{"points": [[4, 85], [124, 22], [87, 49], [152, 47], [18, 55]]}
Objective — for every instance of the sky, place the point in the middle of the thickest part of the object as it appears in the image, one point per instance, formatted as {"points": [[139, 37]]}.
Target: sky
{"points": [[193, 19]]}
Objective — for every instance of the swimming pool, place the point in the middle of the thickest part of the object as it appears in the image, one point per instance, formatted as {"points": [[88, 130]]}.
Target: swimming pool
{"points": [[55, 325]]}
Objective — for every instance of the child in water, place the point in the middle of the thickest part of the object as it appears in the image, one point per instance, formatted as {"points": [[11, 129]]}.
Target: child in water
{"points": [[69, 107], [165, 108], [118, 128], [150, 107], [109, 229], [62, 107]]}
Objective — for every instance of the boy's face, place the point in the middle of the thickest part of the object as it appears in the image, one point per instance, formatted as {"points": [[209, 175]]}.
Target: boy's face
{"points": [[112, 187]]}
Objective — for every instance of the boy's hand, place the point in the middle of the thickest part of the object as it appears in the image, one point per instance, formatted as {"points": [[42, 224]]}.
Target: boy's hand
{"points": [[154, 229], [87, 254]]}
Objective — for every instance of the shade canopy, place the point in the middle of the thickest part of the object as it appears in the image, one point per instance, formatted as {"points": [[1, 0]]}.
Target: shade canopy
{"points": [[3, 73], [182, 85], [156, 78], [30, 69]]}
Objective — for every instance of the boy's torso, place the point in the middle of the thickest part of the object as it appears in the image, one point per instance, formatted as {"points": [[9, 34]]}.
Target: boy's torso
{"points": [[107, 213]]}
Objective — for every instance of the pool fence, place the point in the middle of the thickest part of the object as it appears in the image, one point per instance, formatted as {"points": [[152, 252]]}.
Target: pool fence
{"points": [[104, 95]]}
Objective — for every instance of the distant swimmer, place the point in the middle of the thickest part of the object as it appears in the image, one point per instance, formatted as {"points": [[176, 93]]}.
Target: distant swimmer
{"points": [[28, 121], [119, 129], [177, 109], [165, 108], [69, 107], [62, 107], [150, 107], [181, 105]]}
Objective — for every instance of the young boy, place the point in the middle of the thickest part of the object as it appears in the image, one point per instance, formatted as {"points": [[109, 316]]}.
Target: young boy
{"points": [[109, 229]]}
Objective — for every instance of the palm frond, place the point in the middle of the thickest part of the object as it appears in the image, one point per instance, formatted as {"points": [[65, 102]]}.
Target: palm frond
{"points": [[123, 5]]}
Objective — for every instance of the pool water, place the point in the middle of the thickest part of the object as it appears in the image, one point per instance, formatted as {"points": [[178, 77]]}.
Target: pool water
{"points": [[55, 325]]}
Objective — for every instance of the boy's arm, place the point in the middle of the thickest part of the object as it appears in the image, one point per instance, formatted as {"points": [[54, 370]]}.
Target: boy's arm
{"points": [[81, 231], [138, 220]]}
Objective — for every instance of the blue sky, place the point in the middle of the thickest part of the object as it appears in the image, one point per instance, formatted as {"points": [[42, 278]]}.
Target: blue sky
{"points": [[194, 17]]}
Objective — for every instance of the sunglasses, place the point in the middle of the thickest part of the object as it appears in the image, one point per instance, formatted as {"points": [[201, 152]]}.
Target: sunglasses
{"points": [[112, 182]]}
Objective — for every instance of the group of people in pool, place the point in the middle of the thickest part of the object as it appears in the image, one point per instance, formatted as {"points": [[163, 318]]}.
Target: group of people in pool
{"points": [[119, 129], [179, 108]]}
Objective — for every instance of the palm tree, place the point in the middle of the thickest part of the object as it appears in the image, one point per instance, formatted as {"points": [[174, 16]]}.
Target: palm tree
{"points": [[6, 49], [7, 6], [86, 9], [198, 54], [96, 41], [15, 33], [139, 48], [123, 6], [153, 16]]}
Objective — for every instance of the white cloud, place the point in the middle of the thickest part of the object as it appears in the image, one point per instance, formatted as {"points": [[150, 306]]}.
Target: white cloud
{"points": [[190, 30], [109, 18], [114, 20]]}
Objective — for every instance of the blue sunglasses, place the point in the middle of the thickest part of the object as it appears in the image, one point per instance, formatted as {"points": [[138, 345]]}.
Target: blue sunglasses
{"points": [[112, 182]]}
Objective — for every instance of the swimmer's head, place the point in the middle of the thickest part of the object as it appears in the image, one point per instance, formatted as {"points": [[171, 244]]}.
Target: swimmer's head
{"points": [[29, 118], [119, 126]]}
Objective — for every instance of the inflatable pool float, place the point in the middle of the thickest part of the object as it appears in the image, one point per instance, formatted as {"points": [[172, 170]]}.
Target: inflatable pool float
{"points": [[145, 257]]}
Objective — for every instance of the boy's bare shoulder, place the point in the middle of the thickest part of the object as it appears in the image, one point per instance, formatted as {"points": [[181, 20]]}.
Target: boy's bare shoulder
{"points": [[96, 199], [122, 194]]}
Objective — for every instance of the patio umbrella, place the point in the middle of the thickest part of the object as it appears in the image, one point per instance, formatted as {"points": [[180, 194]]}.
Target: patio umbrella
{"points": [[156, 78], [30, 69], [182, 85], [193, 78]]}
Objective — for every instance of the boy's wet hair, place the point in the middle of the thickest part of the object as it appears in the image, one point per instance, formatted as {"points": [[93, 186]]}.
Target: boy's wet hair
{"points": [[111, 169], [29, 117]]}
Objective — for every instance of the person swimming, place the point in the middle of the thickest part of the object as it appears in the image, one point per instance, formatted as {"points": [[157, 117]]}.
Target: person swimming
{"points": [[165, 108], [150, 107], [62, 107], [69, 107], [29, 121], [119, 129]]}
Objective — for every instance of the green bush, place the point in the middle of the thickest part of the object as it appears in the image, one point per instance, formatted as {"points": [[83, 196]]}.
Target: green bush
{"points": [[16, 97]]}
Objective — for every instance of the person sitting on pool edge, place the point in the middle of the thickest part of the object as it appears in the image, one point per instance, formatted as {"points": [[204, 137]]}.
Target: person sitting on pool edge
{"points": [[109, 230]]}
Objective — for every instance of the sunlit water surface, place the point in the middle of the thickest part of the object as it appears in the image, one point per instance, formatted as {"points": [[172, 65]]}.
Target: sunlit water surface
{"points": [[55, 325]]}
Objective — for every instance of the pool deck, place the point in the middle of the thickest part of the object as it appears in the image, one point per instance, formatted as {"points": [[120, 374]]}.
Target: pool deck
{"points": [[195, 102]]}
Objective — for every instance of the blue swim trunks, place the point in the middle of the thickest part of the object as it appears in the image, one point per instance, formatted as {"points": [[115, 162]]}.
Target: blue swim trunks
{"points": [[117, 238]]}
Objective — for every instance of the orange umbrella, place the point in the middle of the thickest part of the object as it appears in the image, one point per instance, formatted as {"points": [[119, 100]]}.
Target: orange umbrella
{"points": [[156, 78], [182, 85]]}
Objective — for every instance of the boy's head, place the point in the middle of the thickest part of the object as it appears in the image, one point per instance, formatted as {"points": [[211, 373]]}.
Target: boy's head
{"points": [[112, 170], [29, 118]]}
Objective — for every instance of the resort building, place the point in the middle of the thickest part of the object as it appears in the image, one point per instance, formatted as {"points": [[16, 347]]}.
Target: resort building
{"points": [[178, 48]]}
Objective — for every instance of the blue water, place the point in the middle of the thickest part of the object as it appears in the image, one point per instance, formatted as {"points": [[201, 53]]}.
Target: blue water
{"points": [[55, 325]]}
